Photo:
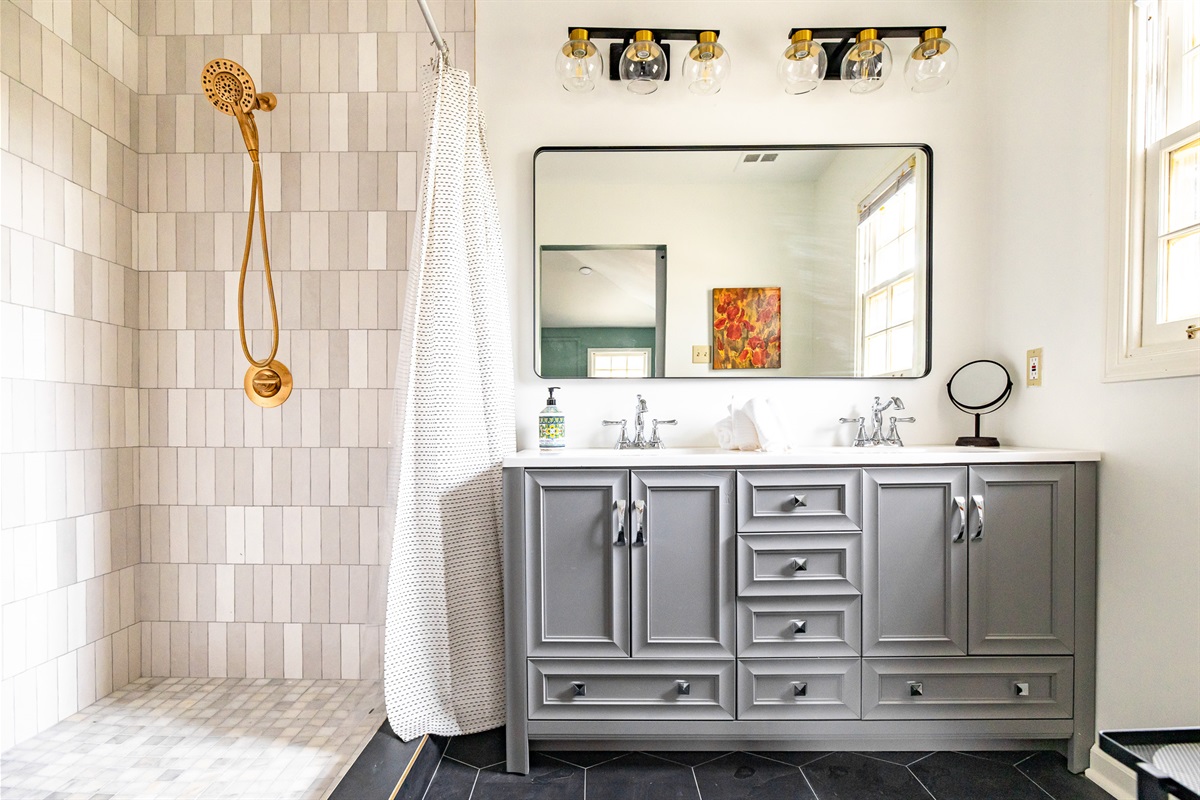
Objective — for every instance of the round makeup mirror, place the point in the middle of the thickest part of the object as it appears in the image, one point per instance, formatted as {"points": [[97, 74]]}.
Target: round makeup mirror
{"points": [[979, 387]]}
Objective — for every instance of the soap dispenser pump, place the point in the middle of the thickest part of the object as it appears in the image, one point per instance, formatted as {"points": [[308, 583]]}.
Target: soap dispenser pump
{"points": [[552, 424]]}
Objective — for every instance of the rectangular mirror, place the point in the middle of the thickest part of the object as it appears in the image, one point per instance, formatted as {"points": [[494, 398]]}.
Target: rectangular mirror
{"points": [[732, 262]]}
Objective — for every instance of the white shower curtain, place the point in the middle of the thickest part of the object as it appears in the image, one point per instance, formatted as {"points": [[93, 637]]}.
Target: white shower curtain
{"points": [[444, 640]]}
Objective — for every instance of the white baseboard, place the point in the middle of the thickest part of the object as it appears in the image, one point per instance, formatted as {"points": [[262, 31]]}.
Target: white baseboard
{"points": [[1111, 775]]}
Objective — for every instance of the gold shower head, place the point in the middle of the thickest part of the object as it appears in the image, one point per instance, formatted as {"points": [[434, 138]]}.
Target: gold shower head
{"points": [[228, 87]]}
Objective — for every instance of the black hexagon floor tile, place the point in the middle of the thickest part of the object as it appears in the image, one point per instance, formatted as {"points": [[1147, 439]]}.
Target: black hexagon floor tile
{"points": [[478, 749], [901, 757], [744, 775], [687, 758], [796, 759], [548, 779], [957, 776], [849, 776], [1049, 771], [641, 777], [585, 758]]}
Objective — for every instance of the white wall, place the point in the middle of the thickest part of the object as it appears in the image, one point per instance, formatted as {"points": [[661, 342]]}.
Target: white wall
{"points": [[527, 109], [1020, 256], [1048, 255]]}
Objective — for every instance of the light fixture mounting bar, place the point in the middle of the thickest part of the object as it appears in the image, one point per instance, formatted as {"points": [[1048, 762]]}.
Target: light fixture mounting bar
{"points": [[845, 38], [660, 34], [826, 34]]}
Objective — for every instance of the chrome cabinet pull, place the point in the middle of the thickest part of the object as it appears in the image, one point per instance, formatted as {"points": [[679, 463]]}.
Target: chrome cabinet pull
{"points": [[961, 502], [1021, 689], [799, 626], [799, 565], [579, 688], [978, 500], [916, 689], [799, 689], [639, 538], [683, 687], [620, 542], [799, 501]]}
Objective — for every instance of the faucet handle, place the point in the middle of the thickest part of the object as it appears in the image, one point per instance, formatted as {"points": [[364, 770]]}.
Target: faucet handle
{"points": [[893, 436], [860, 436], [623, 439], [655, 441]]}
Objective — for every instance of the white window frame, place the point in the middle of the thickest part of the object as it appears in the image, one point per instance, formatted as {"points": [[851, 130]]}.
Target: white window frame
{"points": [[865, 291], [592, 352], [1133, 269]]}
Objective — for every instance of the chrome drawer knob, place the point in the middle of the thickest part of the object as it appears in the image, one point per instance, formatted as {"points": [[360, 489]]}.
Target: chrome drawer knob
{"points": [[683, 687], [799, 626], [1021, 689], [579, 688], [800, 565], [916, 689], [799, 501], [799, 689]]}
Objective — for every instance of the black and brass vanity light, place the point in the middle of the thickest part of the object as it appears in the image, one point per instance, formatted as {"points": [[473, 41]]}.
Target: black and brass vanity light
{"points": [[579, 64], [707, 65], [868, 63], [803, 65], [643, 64], [864, 59], [932, 62], [641, 58]]}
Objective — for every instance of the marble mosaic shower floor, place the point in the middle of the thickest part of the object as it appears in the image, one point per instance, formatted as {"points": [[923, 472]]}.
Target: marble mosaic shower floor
{"points": [[200, 738]]}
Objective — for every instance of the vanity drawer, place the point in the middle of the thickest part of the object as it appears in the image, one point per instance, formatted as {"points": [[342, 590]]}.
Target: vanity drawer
{"points": [[967, 688], [799, 500], [798, 688], [799, 627], [628, 688], [799, 564]]}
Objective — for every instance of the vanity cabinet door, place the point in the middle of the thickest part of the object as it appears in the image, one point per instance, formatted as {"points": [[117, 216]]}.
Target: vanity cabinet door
{"points": [[682, 554], [577, 535], [1022, 542], [915, 562]]}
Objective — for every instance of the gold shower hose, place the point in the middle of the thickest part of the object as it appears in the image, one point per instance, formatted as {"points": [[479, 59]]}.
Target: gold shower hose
{"points": [[231, 90]]}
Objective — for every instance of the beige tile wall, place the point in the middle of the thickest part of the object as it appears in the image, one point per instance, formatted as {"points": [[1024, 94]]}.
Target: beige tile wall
{"points": [[69, 434], [264, 532], [153, 521]]}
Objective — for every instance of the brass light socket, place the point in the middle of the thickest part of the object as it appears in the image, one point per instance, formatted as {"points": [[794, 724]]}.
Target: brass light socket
{"points": [[268, 386]]}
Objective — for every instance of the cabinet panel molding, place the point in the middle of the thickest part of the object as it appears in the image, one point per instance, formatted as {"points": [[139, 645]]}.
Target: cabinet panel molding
{"points": [[799, 500]]}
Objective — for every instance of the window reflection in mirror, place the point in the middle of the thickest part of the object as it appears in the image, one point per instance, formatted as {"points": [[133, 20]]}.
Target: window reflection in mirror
{"points": [[842, 231]]}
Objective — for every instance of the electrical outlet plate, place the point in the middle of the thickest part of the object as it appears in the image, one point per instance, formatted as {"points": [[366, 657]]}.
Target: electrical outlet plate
{"points": [[1033, 367], [701, 353]]}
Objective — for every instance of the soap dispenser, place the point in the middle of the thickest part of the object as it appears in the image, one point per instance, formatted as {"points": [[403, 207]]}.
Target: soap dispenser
{"points": [[552, 425]]}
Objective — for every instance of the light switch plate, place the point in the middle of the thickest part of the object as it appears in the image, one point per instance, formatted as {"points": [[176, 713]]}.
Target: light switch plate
{"points": [[1033, 367], [701, 353]]}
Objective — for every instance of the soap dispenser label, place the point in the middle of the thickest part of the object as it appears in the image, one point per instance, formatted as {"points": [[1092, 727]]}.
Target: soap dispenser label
{"points": [[552, 431]]}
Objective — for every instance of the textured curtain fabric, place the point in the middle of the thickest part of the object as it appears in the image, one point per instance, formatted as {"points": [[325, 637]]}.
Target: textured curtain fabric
{"points": [[444, 641]]}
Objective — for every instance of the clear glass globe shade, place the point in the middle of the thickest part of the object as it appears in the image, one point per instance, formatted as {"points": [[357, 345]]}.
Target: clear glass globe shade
{"points": [[867, 65], [931, 65], [578, 66], [802, 67], [643, 66], [706, 68]]}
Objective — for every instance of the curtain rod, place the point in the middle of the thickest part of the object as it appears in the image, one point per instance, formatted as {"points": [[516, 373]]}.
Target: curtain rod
{"points": [[438, 41]]}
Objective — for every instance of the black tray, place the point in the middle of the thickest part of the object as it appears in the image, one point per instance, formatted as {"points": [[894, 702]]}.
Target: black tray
{"points": [[1137, 750]]}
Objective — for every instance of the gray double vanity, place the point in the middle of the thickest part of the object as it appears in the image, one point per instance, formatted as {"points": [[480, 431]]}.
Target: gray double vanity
{"points": [[830, 598]]}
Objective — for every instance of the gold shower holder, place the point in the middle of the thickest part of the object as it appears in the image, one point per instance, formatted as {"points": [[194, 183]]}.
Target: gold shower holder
{"points": [[268, 386], [231, 90]]}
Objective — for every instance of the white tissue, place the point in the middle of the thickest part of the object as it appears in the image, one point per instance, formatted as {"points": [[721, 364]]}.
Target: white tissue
{"points": [[753, 426]]}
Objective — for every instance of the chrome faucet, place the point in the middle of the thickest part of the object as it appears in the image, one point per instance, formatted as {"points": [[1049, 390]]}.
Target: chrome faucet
{"points": [[877, 437], [640, 441]]}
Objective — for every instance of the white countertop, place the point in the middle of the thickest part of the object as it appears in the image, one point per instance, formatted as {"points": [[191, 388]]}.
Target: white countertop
{"points": [[800, 457]]}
